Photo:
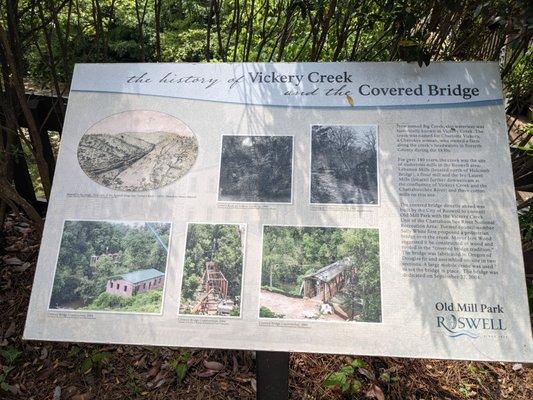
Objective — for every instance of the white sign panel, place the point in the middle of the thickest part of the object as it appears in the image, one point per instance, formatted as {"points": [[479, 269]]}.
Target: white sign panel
{"points": [[360, 208]]}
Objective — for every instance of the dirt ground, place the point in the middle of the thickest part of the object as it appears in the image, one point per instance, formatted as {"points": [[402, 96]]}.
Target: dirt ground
{"points": [[31, 370], [293, 308]]}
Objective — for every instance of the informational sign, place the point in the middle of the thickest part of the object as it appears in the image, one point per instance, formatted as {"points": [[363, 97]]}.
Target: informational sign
{"points": [[358, 208]]}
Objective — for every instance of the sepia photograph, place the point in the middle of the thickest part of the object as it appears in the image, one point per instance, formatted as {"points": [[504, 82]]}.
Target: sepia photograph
{"points": [[137, 150], [212, 271], [111, 266], [344, 164], [320, 273], [256, 169]]}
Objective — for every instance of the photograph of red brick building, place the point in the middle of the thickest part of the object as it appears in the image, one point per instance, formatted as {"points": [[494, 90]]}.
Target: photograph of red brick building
{"points": [[140, 281]]}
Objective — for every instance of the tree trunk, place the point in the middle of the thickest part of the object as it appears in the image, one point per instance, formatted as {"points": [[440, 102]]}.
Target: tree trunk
{"points": [[18, 86]]}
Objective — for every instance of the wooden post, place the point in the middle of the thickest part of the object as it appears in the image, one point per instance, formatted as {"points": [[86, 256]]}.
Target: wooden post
{"points": [[272, 375]]}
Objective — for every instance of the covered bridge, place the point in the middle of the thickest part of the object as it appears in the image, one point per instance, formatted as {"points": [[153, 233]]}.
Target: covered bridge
{"points": [[327, 281]]}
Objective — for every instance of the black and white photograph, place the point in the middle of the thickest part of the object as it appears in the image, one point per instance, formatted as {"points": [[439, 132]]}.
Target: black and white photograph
{"points": [[344, 165], [256, 169]]}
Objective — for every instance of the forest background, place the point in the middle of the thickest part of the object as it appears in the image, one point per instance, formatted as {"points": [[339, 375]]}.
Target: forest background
{"points": [[81, 283], [40, 40], [219, 243]]}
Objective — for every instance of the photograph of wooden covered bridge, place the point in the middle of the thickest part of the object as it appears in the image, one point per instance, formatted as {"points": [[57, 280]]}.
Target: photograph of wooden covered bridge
{"points": [[320, 273], [212, 276], [327, 281]]}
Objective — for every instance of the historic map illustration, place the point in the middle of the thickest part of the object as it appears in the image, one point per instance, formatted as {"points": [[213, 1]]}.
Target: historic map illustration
{"points": [[137, 150]]}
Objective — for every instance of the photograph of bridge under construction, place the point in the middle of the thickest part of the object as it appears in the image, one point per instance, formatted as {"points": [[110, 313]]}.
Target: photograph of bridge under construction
{"points": [[212, 271], [320, 273]]}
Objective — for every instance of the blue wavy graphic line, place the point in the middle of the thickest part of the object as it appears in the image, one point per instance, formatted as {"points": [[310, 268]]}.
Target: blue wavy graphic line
{"points": [[455, 334], [463, 333], [475, 103]]}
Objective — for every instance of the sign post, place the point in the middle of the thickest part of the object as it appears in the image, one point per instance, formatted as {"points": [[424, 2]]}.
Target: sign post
{"points": [[272, 375], [349, 208]]}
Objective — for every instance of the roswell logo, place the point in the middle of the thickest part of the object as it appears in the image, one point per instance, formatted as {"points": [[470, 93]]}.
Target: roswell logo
{"points": [[472, 326]]}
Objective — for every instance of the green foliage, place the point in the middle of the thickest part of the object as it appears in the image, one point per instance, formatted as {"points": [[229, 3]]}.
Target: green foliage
{"points": [[478, 373], [3, 379], [387, 378], [105, 301], [358, 363], [346, 378], [94, 360], [213, 242], [362, 245], [519, 84], [291, 252], [188, 45], [78, 282], [265, 312], [284, 30], [143, 302], [371, 306], [134, 382], [525, 219], [180, 366], [465, 390], [74, 351], [191, 283], [10, 354]]}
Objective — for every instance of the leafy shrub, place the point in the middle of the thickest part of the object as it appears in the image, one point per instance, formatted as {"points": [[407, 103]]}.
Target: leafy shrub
{"points": [[372, 308], [190, 286], [106, 301], [519, 85], [10, 354], [345, 378], [94, 360], [265, 312], [143, 302], [180, 366]]}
